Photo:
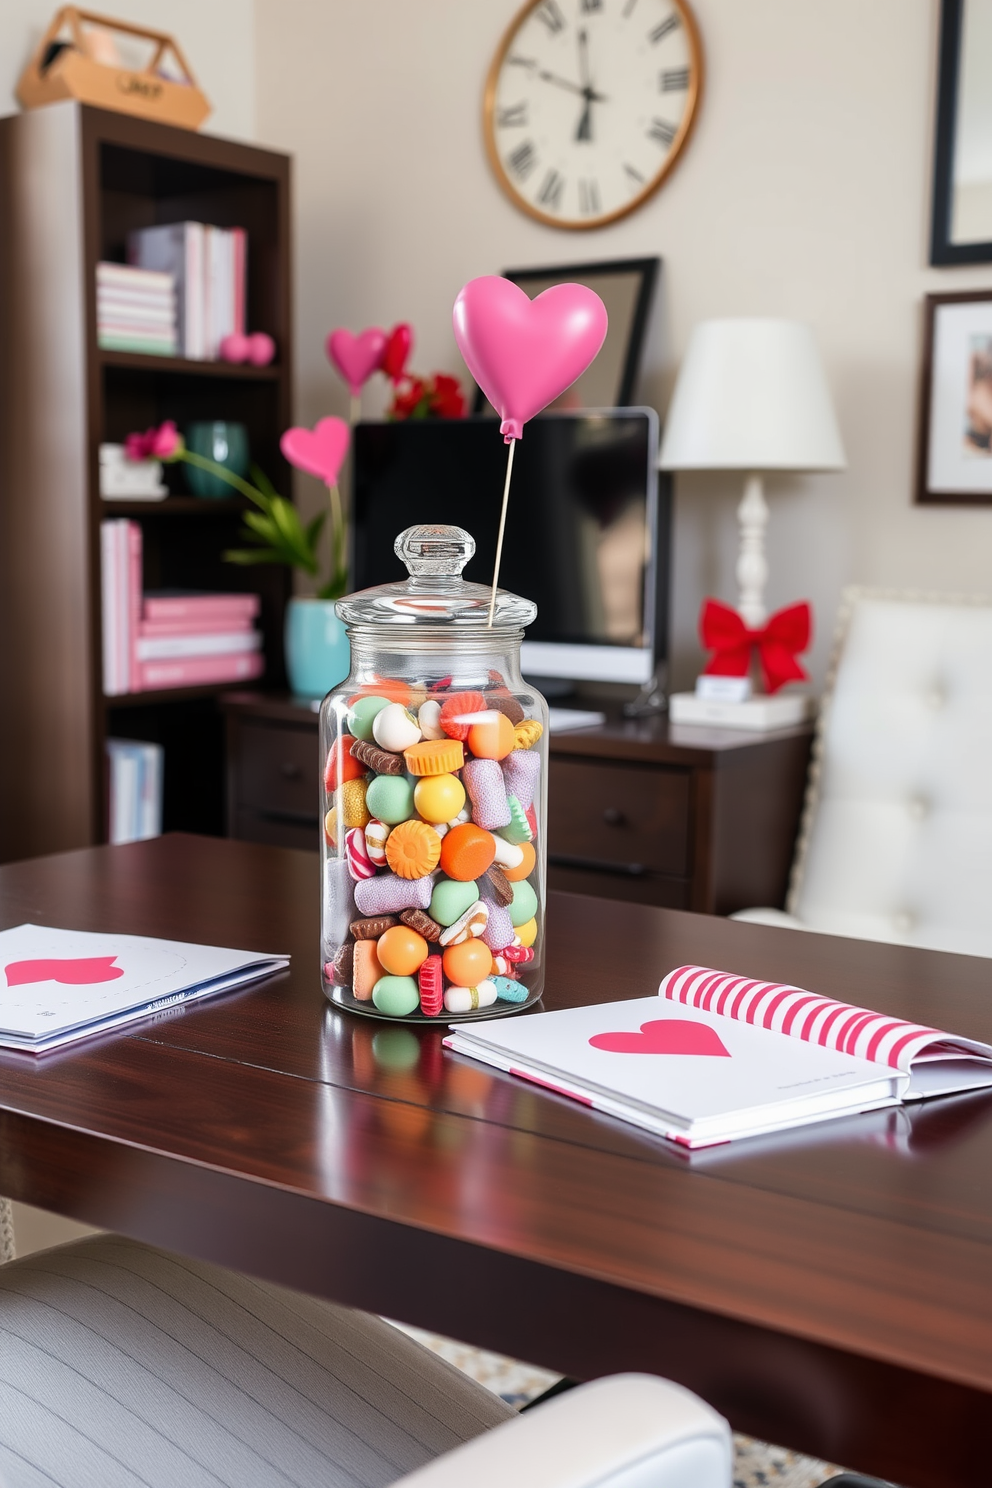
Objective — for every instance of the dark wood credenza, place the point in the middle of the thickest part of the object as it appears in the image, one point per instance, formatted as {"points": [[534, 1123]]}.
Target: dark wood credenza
{"points": [[646, 811]]}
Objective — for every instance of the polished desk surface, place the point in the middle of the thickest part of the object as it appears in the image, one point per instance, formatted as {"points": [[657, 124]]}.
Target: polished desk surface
{"points": [[830, 1289]]}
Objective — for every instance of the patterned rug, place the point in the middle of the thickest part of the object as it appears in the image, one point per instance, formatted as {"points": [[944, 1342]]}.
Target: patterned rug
{"points": [[756, 1464]]}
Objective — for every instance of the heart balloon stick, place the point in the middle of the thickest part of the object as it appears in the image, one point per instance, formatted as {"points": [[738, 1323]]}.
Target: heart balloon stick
{"points": [[524, 353]]}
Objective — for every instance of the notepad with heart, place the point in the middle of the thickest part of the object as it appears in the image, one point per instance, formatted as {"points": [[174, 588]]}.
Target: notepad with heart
{"points": [[58, 986], [715, 1057]]}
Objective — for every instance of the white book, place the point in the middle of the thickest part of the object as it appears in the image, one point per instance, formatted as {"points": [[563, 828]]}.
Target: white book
{"points": [[124, 771], [165, 648], [152, 782], [715, 1057], [59, 986], [177, 249], [131, 276]]}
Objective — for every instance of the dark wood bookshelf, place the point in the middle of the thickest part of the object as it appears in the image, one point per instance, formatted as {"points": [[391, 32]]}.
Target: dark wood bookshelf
{"points": [[74, 181]]}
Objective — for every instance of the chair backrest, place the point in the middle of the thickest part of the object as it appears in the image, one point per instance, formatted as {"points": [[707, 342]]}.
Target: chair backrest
{"points": [[896, 841]]}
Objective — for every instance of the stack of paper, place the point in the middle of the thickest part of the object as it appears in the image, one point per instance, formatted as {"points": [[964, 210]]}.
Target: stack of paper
{"points": [[135, 309], [58, 986]]}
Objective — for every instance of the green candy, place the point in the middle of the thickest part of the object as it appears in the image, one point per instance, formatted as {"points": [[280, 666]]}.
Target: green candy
{"points": [[396, 996], [390, 799], [451, 898], [362, 714], [519, 828], [523, 905]]}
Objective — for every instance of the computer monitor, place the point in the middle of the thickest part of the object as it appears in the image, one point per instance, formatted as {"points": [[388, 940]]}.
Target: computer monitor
{"points": [[587, 534]]}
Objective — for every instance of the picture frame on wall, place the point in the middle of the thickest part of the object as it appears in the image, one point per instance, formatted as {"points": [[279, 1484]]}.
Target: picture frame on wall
{"points": [[954, 450], [626, 287], [961, 220]]}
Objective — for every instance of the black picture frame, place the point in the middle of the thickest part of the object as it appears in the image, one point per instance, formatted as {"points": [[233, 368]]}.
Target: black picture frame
{"points": [[943, 250], [929, 425], [645, 270]]}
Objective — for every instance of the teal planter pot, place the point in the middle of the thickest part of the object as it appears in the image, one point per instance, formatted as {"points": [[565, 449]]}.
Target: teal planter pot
{"points": [[226, 444], [318, 655]]}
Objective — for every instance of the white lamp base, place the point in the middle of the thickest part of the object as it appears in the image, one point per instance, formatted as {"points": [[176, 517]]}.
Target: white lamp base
{"points": [[759, 715]]}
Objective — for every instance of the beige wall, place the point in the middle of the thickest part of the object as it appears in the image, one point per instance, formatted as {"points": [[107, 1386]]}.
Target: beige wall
{"points": [[803, 193], [217, 37]]}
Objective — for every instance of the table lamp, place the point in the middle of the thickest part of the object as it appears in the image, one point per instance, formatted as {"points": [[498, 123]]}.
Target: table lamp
{"points": [[751, 396]]}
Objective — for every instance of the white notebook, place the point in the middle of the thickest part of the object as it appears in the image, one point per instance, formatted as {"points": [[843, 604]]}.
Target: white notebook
{"points": [[715, 1057], [57, 986]]}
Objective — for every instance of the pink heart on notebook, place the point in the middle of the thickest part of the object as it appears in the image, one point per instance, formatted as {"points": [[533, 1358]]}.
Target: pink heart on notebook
{"points": [[664, 1036], [72, 971]]}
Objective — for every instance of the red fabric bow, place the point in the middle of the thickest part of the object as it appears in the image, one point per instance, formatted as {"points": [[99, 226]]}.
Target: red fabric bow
{"points": [[779, 641]]}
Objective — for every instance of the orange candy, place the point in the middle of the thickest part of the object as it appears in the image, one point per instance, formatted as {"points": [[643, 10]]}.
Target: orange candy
{"points": [[525, 867], [412, 851], [434, 757], [466, 852], [387, 687], [455, 705], [366, 969], [401, 951], [492, 740], [341, 765], [468, 963]]}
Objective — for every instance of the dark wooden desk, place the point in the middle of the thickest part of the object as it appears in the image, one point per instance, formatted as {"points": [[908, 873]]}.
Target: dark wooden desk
{"points": [[829, 1289], [642, 810]]}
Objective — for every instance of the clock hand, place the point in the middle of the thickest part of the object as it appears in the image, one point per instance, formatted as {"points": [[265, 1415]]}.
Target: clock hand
{"points": [[584, 131], [584, 58], [560, 82]]}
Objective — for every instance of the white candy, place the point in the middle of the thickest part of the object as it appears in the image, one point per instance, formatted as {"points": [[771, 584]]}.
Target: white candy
{"points": [[471, 923], [508, 854], [429, 719], [463, 816], [376, 833], [395, 729], [464, 999]]}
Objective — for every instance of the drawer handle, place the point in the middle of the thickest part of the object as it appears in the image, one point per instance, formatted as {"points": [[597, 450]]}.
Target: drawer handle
{"points": [[597, 865], [290, 771], [614, 817]]}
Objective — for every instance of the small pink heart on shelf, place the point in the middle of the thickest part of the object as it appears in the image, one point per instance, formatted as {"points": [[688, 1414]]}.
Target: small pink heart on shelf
{"points": [[261, 349], [524, 353], [70, 971], [664, 1036], [234, 348], [357, 357], [319, 451]]}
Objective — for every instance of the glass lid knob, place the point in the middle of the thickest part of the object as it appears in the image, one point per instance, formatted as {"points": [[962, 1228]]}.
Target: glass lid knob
{"points": [[433, 551]]}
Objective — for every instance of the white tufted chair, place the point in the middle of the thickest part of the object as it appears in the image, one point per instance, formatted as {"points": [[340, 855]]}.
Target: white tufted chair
{"points": [[896, 838]]}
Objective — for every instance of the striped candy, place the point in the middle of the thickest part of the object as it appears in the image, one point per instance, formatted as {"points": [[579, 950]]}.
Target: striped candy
{"points": [[360, 865]]}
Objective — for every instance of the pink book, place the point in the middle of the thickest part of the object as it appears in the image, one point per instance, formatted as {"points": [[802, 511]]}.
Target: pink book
{"points": [[240, 238], [199, 671], [215, 625], [134, 582], [192, 606]]}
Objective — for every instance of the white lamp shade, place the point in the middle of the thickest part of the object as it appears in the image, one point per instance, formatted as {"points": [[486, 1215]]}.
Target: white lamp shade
{"points": [[752, 395]]}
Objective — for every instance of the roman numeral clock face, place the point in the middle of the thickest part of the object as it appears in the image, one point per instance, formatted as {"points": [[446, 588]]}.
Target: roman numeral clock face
{"points": [[588, 104]]}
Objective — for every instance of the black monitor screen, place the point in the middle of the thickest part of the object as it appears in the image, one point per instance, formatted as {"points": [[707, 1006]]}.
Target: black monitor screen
{"points": [[580, 523]]}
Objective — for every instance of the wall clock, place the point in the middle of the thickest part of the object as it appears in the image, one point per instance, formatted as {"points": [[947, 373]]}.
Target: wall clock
{"points": [[589, 103]]}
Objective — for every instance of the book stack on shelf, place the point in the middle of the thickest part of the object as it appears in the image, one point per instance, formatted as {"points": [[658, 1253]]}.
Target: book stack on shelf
{"points": [[136, 790], [169, 639], [209, 266], [135, 310]]}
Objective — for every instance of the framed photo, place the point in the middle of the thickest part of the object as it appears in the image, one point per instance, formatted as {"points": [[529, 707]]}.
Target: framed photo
{"points": [[626, 287], [961, 229], [954, 458]]}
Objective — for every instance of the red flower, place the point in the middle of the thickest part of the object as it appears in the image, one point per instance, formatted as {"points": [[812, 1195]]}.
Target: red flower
{"points": [[439, 396], [163, 442], [447, 400]]}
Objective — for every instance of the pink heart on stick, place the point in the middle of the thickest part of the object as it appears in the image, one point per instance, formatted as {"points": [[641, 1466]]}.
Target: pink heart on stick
{"points": [[523, 353], [357, 357], [80, 971], [319, 451], [665, 1036]]}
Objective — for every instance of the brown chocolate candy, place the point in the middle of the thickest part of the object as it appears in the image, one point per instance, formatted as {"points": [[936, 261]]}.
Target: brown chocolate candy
{"points": [[507, 705], [500, 884], [382, 761], [373, 927], [341, 966], [420, 920]]}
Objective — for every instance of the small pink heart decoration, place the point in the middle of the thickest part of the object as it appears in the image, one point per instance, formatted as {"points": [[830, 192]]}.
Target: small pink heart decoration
{"points": [[235, 347], [261, 349], [664, 1036], [523, 353], [357, 357], [319, 451]]}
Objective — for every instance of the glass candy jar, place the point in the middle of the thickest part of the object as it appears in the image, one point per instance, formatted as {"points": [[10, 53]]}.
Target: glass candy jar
{"points": [[434, 798]]}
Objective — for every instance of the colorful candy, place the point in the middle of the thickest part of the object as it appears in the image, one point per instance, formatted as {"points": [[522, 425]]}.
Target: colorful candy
{"points": [[492, 737], [360, 865], [528, 733], [376, 833], [472, 922], [497, 886], [517, 829], [395, 728], [431, 986], [413, 849], [374, 758], [396, 995], [450, 899], [527, 933], [429, 718], [467, 962], [498, 933], [367, 970], [524, 866], [521, 771], [508, 855], [353, 803], [390, 799], [401, 951], [372, 928], [362, 713], [508, 990], [519, 954], [439, 798], [454, 707], [484, 782], [341, 764], [465, 999], [434, 757], [467, 851], [388, 894], [524, 905], [420, 920]]}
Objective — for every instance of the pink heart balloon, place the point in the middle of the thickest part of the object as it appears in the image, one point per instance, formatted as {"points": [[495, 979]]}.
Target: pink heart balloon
{"points": [[356, 357], [523, 353], [319, 451]]}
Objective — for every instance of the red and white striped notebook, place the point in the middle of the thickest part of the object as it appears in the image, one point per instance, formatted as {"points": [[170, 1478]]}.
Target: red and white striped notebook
{"points": [[715, 1057]]}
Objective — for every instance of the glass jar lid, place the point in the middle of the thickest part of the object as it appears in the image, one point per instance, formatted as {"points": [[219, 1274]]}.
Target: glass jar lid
{"points": [[435, 593]]}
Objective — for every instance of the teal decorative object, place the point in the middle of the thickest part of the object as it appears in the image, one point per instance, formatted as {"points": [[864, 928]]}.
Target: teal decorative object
{"points": [[318, 655], [226, 445]]}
